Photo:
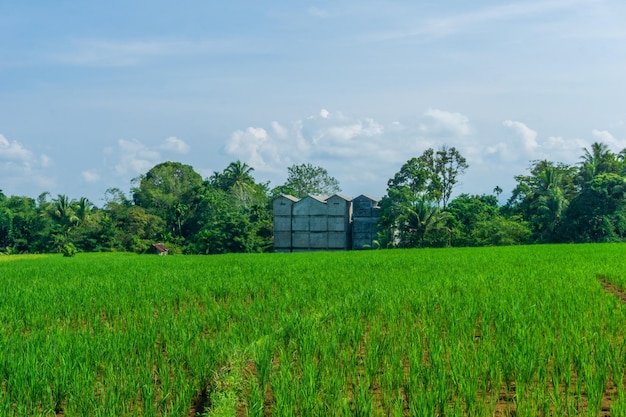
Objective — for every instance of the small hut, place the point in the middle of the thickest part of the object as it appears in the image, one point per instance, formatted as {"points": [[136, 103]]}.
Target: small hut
{"points": [[159, 249]]}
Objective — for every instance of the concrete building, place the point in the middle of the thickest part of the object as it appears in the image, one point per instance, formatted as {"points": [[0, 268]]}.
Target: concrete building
{"points": [[365, 217], [283, 207], [320, 223]]}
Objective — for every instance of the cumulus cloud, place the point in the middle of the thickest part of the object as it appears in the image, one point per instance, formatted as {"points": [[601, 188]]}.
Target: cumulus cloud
{"points": [[567, 150], [91, 175], [279, 130], [20, 165], [555, 148], [353, 149], [528, 136], [256, 147], [175, 144], [446, 122], [14, 151], [607, 138], [363, 153], [134, 157]]}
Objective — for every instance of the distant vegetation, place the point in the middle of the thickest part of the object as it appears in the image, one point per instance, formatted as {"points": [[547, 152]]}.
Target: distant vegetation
{"points": [[232, 212]]}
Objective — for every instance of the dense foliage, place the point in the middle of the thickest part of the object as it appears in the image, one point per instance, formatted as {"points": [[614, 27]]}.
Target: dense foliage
{"points": [[232, 212], [505, 331], [554, 203]]}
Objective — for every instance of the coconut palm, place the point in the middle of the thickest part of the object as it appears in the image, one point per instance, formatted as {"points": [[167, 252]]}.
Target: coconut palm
{"points": [[62, 211], [596, 160], [82, 209], [237, 179], [420, 219]]}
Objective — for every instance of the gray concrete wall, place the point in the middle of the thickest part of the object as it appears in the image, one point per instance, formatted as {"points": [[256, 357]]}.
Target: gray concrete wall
{"points": [[318, 240], [309, 206], [300, 240], [314, 223], [365, 217], [318, 223], [337, 224], [300, 224]]}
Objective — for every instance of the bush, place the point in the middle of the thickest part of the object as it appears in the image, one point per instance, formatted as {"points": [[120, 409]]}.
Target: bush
{"points": [[69, 250]]}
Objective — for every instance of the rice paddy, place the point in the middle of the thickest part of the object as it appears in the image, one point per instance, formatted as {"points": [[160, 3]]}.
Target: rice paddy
{"points": [[506, 331]]}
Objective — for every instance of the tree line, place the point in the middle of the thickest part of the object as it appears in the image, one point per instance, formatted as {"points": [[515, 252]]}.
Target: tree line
{"points": [[232, 212], [228, 212]]}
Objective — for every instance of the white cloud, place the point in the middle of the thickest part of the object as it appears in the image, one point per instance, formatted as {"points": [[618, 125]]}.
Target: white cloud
{"points": [[566, 150], [255, 146], [501, 151], [363, 153], [456, 123], [135, 157], [528, 136], [607, 138], [279, 130], [20, 166], [366, 127], [353, 149], [175, 145], [14, 151], [91, 175]]}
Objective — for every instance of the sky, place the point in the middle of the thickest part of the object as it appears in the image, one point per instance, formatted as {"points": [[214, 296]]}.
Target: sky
{"points": [[94, 94]]}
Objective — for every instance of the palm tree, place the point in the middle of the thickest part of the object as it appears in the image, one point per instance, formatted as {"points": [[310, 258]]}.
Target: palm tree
{"points": [[82, 209], [597, 160], [419, 219], [238, 180], [548, 201], [63, 212]]}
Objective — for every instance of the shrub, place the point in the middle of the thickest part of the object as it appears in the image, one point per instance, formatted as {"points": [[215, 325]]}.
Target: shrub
{"points": [[69, 250]]}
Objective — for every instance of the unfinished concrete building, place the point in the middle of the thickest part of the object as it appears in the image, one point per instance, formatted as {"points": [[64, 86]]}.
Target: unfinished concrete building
{"points": [[283, 207], [365, 217], [321, 223]]}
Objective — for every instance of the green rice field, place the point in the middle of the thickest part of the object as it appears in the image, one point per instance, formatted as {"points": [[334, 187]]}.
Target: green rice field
{"points": [[507, 331]]}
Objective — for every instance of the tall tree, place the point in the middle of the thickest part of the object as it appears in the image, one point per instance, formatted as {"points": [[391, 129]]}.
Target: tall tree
{"points": [[433, 173], [6, 228], [237, 180], [542, 197], [467, 212], [449, 164], [307, 179], [163, 188], [598, 212], [422, 184]]}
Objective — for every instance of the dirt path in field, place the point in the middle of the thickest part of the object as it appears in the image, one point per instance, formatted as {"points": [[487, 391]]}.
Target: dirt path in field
{"points": [[610, 287]]}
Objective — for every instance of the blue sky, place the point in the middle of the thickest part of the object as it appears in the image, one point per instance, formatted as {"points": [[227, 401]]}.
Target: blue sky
{"points": [[93, 94]]}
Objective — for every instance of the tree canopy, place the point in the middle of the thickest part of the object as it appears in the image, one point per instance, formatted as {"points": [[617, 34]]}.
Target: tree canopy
{"points": [[306, 179], [232, 212]]}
